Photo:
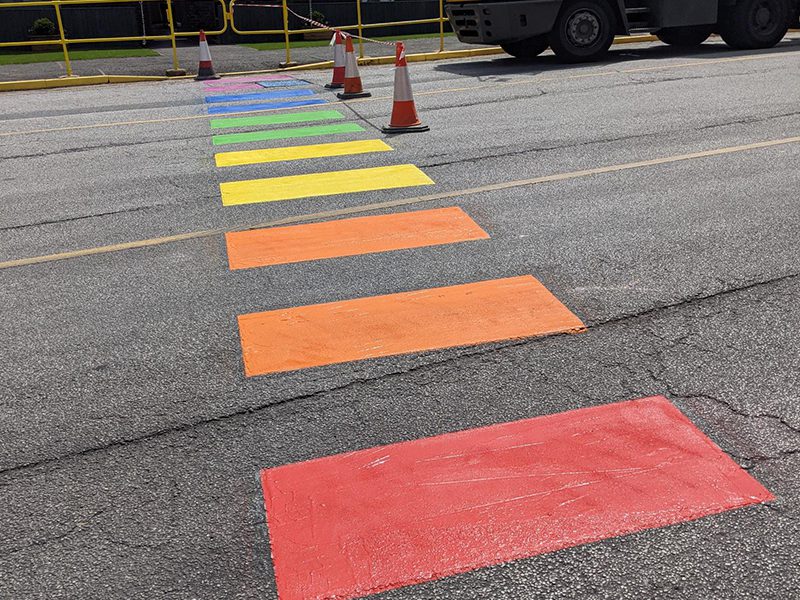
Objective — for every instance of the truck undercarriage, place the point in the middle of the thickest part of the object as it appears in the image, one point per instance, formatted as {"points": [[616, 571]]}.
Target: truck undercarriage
{"points": [[583, 30]]}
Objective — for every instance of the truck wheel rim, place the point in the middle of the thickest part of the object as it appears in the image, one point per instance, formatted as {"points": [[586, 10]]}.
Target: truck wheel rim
{"points": [[583, 28], [763, 18]]}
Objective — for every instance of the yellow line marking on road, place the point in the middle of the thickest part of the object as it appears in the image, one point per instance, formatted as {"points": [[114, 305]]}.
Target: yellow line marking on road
{"points": [[292, 187], [404, 202], [519, 81], [252, 157]]}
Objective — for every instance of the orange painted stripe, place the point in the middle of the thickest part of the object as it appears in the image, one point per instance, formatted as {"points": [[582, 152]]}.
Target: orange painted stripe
{"points": [[349, 237], [459, 315]]}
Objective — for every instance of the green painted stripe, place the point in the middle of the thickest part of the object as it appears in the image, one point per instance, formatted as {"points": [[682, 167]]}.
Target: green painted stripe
{"points": [[302, 117], [282, 134]]}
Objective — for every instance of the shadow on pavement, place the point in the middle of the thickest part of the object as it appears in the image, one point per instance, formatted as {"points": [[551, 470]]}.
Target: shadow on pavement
{"points": [[497, 68]]}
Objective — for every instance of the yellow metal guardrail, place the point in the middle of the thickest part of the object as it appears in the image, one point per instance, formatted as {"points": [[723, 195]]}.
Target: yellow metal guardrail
{"points": [[359, 26], [228, 18], [64, 41]]}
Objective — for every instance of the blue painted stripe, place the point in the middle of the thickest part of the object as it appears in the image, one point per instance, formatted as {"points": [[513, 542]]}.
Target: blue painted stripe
{"points": [[216, 110], [260, 96], [282, 83]]}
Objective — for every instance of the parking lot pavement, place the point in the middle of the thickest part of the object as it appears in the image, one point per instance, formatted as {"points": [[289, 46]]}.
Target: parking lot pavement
{"points": [[597, 261]]}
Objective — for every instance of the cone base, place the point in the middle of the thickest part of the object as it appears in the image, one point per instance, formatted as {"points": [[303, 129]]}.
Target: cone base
{"points": [[205, 77], [405, 128], [334, 86], [348, 96]]}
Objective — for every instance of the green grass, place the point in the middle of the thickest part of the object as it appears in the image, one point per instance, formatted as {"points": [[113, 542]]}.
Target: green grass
{"points": [[320, 43], [24, 58]]}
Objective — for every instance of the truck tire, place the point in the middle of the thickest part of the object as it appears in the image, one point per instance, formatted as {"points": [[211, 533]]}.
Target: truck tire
{"points": [[754, 23], [530, 48], [583, 31], [686, 37]]}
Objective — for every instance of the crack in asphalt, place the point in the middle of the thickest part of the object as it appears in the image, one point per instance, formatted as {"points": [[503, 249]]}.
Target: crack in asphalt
{"points": [[176, 103], [697, 298], [83, 217], [610, 140], [105, 146], [690, 301], [76, 528], [631, 80], [349, 107]]}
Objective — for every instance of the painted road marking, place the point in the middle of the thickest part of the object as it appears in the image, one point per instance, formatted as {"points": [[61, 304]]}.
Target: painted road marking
{"points": [[283, 134], [248, 79], [350, 237], [351, 210], [494, 84], [266, 155], [301, 117], [241, 108], [288, 82], [354, 524], [432, 319], [274, 94], [321, 184]]}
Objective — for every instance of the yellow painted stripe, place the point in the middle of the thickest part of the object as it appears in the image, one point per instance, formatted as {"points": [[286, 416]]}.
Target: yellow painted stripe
{"points": [[250, 157], [384, 205], [321, 184]]}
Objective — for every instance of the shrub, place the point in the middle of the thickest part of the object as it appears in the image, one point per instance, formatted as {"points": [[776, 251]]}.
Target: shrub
{"points": [[43, 27]]}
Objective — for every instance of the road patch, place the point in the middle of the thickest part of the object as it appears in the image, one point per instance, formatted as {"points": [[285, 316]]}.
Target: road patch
{"points": [[267, 155], [286, 83], [350, 237], [239, 108], [249, 79], [298, 117], [234, 87], [446, 317], [328, 183], [354, 524], [275, 94]]}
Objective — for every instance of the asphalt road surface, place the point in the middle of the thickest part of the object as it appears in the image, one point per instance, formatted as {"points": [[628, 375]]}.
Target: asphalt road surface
{"points": [[654, 195]]}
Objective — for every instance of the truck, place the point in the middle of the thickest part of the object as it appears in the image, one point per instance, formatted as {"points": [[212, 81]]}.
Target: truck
{"points": [[583, 30]]}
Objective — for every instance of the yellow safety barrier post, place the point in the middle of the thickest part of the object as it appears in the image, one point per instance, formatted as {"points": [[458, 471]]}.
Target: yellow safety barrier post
{"points": [[360, 30], [288, 62], [176, 70], [62, 38], [441, 25]]}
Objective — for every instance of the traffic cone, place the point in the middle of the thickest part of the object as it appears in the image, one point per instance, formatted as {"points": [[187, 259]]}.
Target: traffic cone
{"points": [[404, 113], [338, 62], [352, 80], [206, 69]]}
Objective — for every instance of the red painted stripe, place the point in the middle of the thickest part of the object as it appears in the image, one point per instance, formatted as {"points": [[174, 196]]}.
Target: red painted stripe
{"points": [[354, 524]]}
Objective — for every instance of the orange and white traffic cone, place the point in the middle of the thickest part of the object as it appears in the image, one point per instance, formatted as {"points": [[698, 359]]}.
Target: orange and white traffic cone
{"points": [[206, 69], [352, 80], [404, 113], [338, 62]]}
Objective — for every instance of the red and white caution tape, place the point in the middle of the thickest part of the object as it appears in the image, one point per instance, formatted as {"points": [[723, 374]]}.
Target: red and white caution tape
{"points": [[317, 24]]}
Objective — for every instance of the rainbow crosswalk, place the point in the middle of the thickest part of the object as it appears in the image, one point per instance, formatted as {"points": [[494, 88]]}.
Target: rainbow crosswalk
{"points": [[458, 501]]}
